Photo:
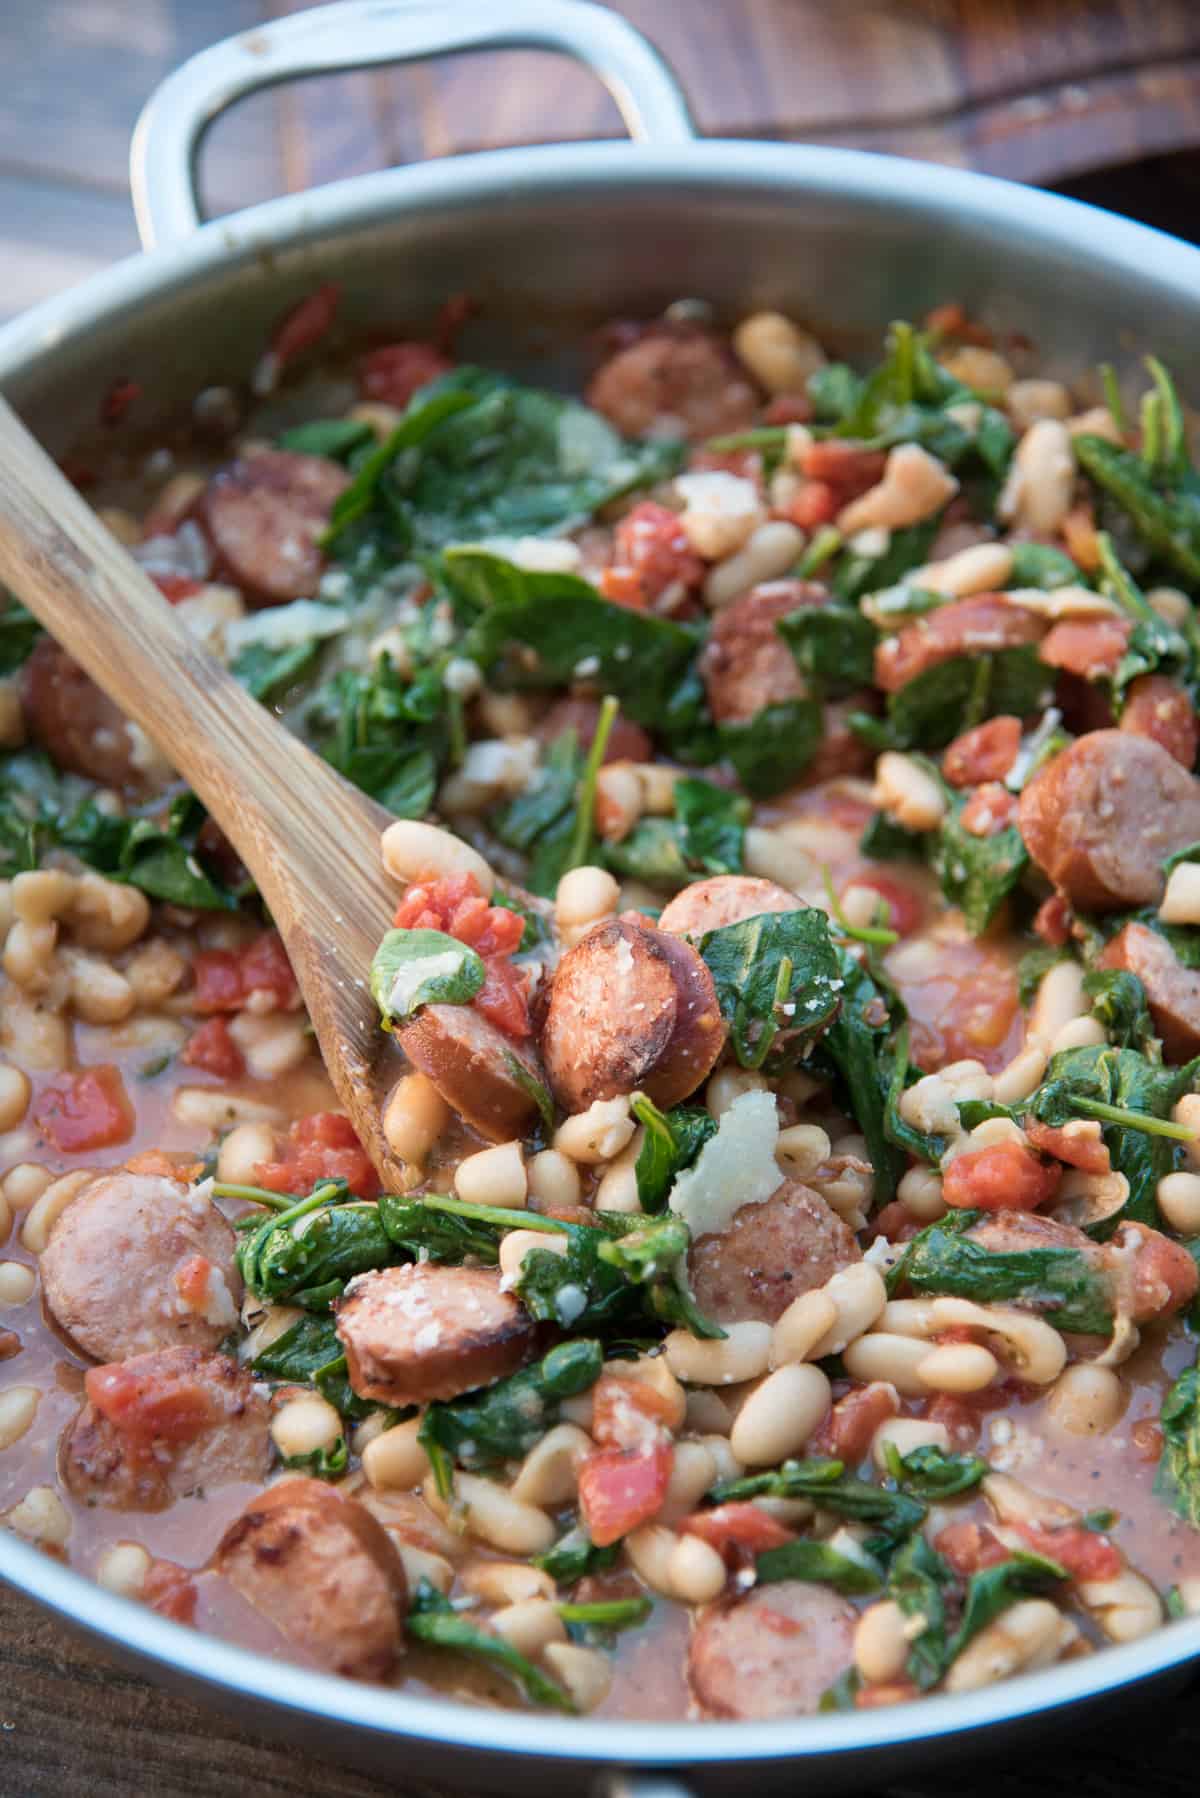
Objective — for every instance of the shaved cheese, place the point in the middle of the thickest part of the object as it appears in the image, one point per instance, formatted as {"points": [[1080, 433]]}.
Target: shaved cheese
{"points": [[283, 627], [735, 1167], [412, 975]]}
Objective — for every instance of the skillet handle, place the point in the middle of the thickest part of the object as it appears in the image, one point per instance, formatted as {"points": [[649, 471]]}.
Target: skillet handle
{"points": [[359, 34]]}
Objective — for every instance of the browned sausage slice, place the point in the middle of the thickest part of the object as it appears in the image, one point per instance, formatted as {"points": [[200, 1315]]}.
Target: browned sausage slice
{"points": [[214, 1420], [627, 741], [139, 1262], [429, 1332], [1160, 708], [746, 664], [631, 1008], [1172, 991], [471, 1063], [725, 899], [263, 517], [78, 725], [966, 627], [769, 1255], [773, 1653], [324, 1572], [1101, 818], [683, 383]]}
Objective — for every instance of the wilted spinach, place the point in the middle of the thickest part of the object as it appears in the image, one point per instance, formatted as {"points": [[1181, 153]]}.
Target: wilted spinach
{"points": [[778, 982], [672, 1142], [412, 968], [1178, 1478], [504, 1421], [433, 1619], [1068, 1287]]}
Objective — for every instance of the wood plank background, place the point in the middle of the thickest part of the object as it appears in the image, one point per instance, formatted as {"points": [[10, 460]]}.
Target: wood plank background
{"points": [[1053, 91]]}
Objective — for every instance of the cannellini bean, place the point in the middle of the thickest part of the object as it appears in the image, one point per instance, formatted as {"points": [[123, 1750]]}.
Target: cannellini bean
{"points": [[46, 1210], [414, 1117], [780, 854], [929, 1104], [618, 800], [598, 1133], [273, 1044], [211, 1109], [1170, 603], [694, 1472], [617, 1187], [17, 1282], [1031, 1347], [28, 957], [1181, 901], [25, 1183], [780, 1415], [1189, 1596], [771, 551], [18, 1408], [729, 1084], [1086, 1400], [585, 1672], [743, 1355], [549, 1474], [880, 1642], [778, 354], [1022, 1076], [583, 897], [1060, 998], [123, 1568], [805, 1323], [896, 1359], [720, 511], [42, 1517], [1015, 1502], [801, 1148], [530, 1625], [907, 793], [1179, 1201], [920, 1192], [553, 1181], [395, 1461], [506, 1582], [1029, 400], [303, 1426], [860, 1295], [494, 1176], [241, 1152], [984, 370], [905, 1434], [708, 1412], [695, 1571], [1080, 1033], [1125, 1608], [654, 1370], [517, 1244], [908, 1317], [1097, 421], [155, 972], [1026, 1636], [1187, 1111], [495, 1516], [915, 485], [106, 915], [650, 1550], [658, 787], [15, 1092], [413, 850], [958, 1367], [421, 1563], [43, 895], [99, 994], [1041, 481]]}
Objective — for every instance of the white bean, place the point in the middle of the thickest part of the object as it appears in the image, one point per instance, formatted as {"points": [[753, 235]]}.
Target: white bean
{"points": [[1035, 398], [46, 1211], [805, 1323], [1079, 1033], [617, 1188], [981, 568], [530, 1625], [958, 1367], [1021, 1076], [693, 1472], [303, 1426], [506, 1582], [905, 1434], [517, 1244], [1060, 999], [598, 1133], [585, 1672], [896, 1359], [241, 1152], [800, 1149], [727, 1085], [880, 1642], [907, 793], [920, 1193], [414, 1117], [17, 1282], [123, 1568], [650, 1549], [778, 354], [1031, 1347], [1178, 1198], [494, 1176], [780, 1415], [915, 485], [584, 896], [1024, 1637], [495, 1516], [1187, 1111], [1181, 901], [18, 1408], [771, 551], [859, 1293], [549, 1474], [1041, 481], [42, 1517], [395, 1461], [413, 850], [1086, 1400], [553, 1181], [15, 1092], [695, 1571], [1126, 1607], [743, 1355]]}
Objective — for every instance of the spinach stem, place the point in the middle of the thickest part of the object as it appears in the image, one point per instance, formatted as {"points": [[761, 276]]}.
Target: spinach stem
{"points": [[1135, 1120], [581, 836]]}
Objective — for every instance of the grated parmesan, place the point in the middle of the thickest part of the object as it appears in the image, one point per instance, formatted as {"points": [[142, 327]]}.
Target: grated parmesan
{"points": [[735, 1167]]}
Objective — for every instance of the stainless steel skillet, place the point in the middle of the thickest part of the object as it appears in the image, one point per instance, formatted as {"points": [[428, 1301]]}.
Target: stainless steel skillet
{"points": [[552, 240]]}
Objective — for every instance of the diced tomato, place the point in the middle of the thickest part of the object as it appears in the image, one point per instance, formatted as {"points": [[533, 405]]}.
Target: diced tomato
{"points": [[651, 544], [502, 998], [392, 375], [217, 974], [906, 908], [816, 503], [171, 1591], [1091, 648], [969, 1547], [1162, 1278], [1082, 539], [117, 401], [896, 1222], [192, 1280], [962, 1005], [85, 1110], [225, 980], [618, 1492], [454, 904], [213, 1049], [1084, 1553], [1006, 1176], [849, 1428], [306, 323], [990, 809], [788, 409], [175, 587], [321, 1146], [627, 1413], [985, 753], [624, 587], [150, 1404], [848, 467], [1052, 921], [951, 320], [1147, 1438], [1078, 1147], [265, 968], [738, 1531], [1160, 709]]}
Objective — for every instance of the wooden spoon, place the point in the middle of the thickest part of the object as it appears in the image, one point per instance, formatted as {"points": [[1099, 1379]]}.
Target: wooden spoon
{"points": [[308, 837]]}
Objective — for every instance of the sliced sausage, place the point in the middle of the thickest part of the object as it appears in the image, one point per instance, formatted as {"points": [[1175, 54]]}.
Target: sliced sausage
{"points": [[841, 749], [770, 1254], [472, 1062], [324, 1572], [263, 517], [1160, 708], [74, 722], [159, 1426], [429, 1332], [627, 742], [673, 383], [725, 899], [140, 1262], [985, 753], [1101, 818], [1172, 991], [746, 664], [631, 1008], [966, 627], [1089, 647], [772, 1653]]}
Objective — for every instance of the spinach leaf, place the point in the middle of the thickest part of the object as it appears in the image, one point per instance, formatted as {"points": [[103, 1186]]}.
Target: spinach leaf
{"points": [[621, 1267], [894, 1514], [672, 1142], [265, 672], [575, 1555], [388, 736], [993, 1590], [433, 1619], [886, 841], [412, 968], [1177, 1482], [835, 391], [769, 751], [818, 1562], [705, 836], [432, 1228], [778, 982], [327, 1463], [1065, 1286], [976, 873], [336, 438], [19, 632], [834, 646], [307, 1261], [597, 1622], [371, 489], [539, 822], [858, 573], [1163, 508], [917, 1582], [1041, 565], [842, 1695], [933, 1475], [502, 1422], [856, 1046], [1119, 1003], [309, 1354], [951, 697]]}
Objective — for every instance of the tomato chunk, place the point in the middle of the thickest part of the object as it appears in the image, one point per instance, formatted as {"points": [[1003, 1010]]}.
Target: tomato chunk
{"points": [[306, 323], [175, 587], [156, 1404], [1004, 1177], [265, 968], [1084, 1553], [651, 546], [1161, 709], [1079, 1144], [1090, 648], [170, 1590], [213, 1049], [225, 980], [906, 908], [969, 1547], [455, 905], [1052, 921], [85, 1110], [392, 374], [321, 1146], [619, 1491], [848, 1430], [738, 1531], [990, 809], [628, 1414]]}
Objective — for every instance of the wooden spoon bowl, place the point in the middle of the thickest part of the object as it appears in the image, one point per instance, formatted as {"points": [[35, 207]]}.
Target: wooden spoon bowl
{"points": [[309, 838]]}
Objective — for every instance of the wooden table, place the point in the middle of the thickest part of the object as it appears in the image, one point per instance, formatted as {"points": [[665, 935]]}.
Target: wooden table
{"points": [[1040, 90]]}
